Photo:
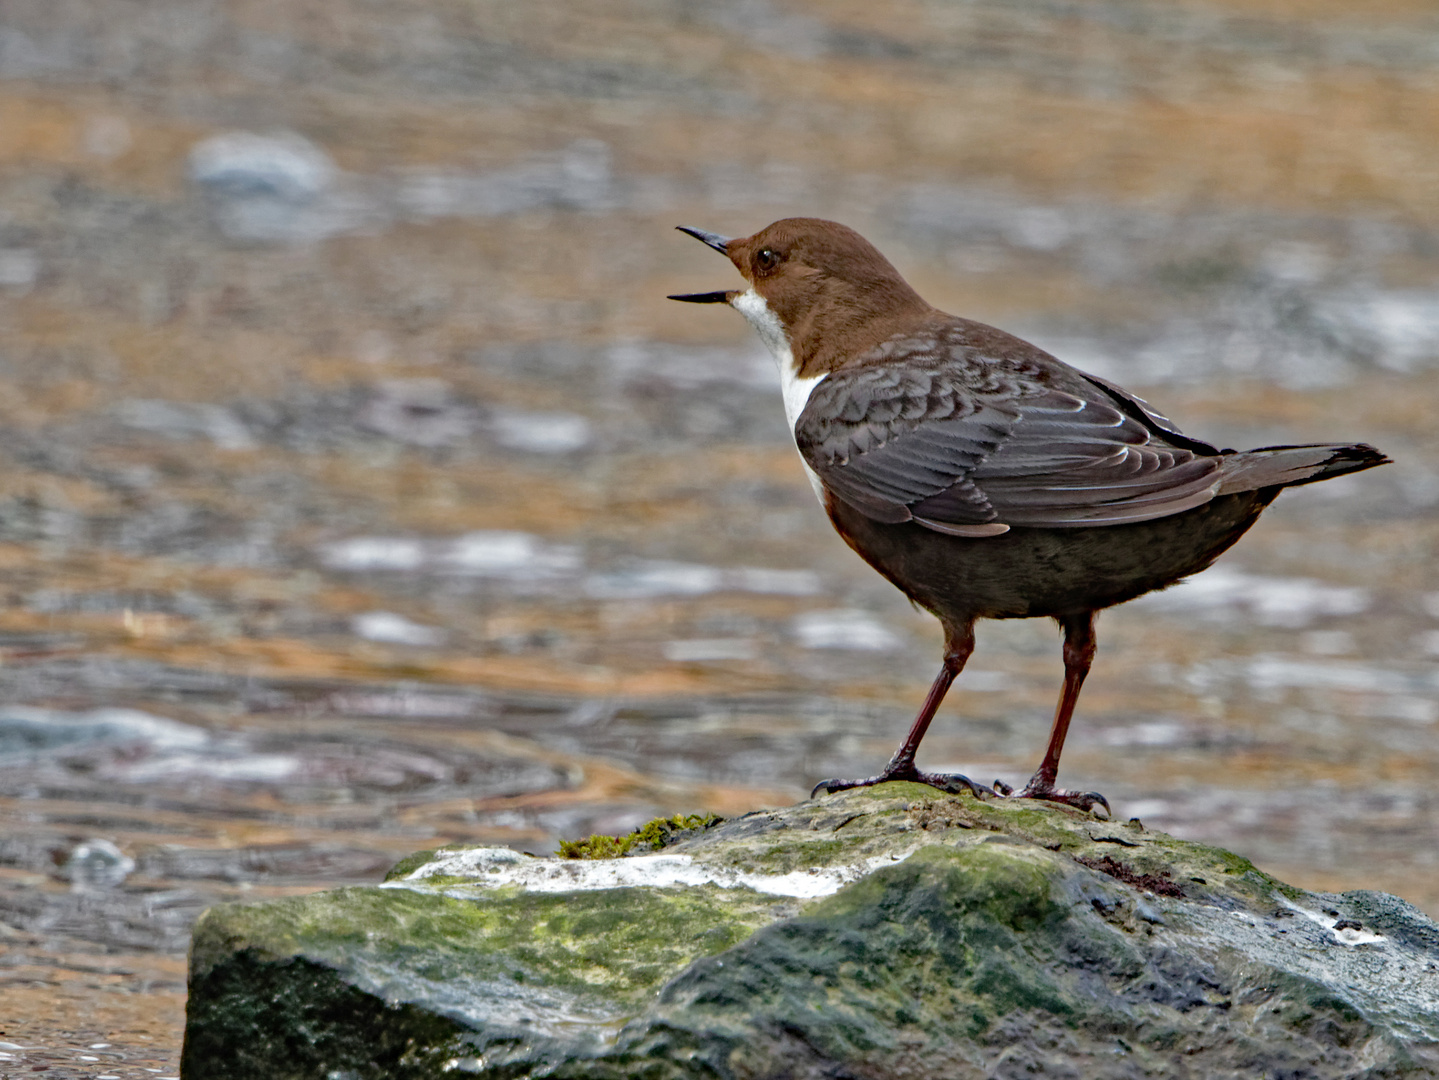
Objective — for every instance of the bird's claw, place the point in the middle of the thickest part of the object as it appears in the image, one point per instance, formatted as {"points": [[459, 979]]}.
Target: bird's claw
{"points": [[952, 783], [829, 787], [1080, 800]]}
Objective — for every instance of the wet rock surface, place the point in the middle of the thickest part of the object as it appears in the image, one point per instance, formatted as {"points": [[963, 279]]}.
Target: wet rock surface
{"points": [[891, 932]]}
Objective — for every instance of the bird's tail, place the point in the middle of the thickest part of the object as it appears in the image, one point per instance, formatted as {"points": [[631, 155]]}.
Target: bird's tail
{"points": [[1288, 466]]}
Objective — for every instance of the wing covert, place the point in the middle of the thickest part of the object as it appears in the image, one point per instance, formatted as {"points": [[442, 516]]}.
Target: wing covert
{"points": [[886, 438], [965, 444]]}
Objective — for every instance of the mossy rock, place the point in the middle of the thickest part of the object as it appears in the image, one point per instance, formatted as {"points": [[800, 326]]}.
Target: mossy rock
{"points": [[893, 932], [651, 836]]}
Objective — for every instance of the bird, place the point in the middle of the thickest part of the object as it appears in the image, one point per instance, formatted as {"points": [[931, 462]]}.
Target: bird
{"points": [[982, 476]]}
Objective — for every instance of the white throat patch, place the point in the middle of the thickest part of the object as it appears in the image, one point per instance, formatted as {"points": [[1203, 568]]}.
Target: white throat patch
{"points": [[751, 305], [796, 390]]}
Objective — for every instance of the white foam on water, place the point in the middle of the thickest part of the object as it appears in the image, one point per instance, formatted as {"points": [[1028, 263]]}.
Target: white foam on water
{"points": [[19, 269], [285, 164], [177, 419], [400, 703], [691, 366], [1157, 733], [652, 579], [1329, 642], [754, 579], [985, 682], [542, 432], [504, 553], [844, 628], [242, 768], [1281, 672], [374, 553], [96, 865], [698, 650], [1225, 591], [53, 728], [490, 553], [1411, 710], [524, 558], [643, 580], [392, 629], [1403, 324]]}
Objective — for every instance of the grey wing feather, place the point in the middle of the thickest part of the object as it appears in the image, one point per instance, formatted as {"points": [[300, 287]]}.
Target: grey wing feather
{"points": [[1144, 412], [919, 441], [1097, 466], [884, 440]]}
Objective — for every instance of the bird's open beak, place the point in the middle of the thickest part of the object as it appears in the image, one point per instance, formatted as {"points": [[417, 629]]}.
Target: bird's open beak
{"points": [[714, 240], [720, 244], [704, 297]]}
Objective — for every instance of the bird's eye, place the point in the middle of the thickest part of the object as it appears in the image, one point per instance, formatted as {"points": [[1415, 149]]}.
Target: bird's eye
{"points": [[766, 259]]}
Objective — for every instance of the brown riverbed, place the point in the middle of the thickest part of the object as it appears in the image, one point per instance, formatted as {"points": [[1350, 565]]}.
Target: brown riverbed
{"points": [[361, 491]]}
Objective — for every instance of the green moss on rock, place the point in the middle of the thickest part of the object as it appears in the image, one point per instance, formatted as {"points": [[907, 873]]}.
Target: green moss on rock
{"points": [[975, 940], [410, 863], [651, 836], [619, 944], [257, 1015]]}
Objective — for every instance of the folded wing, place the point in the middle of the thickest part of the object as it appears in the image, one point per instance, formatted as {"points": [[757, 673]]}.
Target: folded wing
{"points": [[970, 447]]}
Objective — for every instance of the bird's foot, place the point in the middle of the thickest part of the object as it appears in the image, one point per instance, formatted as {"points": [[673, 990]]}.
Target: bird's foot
{"points": [[952, 783], [1042, 789]]}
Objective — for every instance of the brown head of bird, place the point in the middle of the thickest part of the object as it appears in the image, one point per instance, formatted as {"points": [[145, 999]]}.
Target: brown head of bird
{"points": [[819, 287]]}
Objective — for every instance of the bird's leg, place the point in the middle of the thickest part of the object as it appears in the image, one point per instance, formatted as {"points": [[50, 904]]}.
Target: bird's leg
{"points": [[958, 644], [1079, 649]]}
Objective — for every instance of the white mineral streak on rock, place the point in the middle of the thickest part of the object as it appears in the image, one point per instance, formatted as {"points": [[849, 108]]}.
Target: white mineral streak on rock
{"points": [[1347, 936], [487, 868]]}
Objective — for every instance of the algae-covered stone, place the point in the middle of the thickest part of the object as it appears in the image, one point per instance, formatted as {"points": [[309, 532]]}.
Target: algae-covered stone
{"points": [[892, 932]]}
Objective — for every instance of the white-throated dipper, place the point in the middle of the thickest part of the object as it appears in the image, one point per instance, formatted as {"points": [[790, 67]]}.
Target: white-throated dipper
{"points": [[983, 477]]}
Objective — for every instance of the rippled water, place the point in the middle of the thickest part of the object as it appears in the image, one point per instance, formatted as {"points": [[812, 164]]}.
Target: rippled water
{"points": [[362, 493]]}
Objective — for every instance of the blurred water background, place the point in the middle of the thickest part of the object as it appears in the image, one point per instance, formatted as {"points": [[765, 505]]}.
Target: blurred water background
{"points": [[361, 492]]}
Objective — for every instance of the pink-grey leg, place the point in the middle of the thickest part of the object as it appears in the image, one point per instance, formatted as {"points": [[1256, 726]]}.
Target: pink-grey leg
{"points": [[1079, 647], [959, 643]]}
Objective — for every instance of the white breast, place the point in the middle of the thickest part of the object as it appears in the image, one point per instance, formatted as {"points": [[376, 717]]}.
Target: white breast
{"points": [[796, 390]]}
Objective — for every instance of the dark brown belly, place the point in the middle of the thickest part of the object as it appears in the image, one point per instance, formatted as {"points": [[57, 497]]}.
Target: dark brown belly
{"points": [[1037, 572]]}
